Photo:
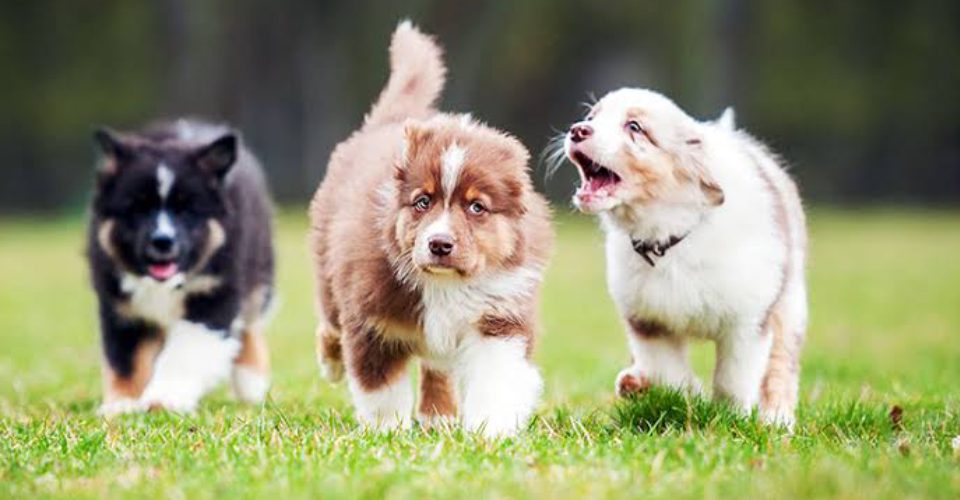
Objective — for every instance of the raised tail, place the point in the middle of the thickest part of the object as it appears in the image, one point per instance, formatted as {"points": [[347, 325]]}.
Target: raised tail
{"points": [[417, 75]]}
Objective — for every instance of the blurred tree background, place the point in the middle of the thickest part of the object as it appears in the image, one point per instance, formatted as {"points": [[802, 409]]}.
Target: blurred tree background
{"points": [[862, 97]]}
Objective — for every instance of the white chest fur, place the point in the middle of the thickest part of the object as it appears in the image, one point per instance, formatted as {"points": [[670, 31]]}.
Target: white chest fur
{"points": [[705, 286], [451, 308], [162, 302]]}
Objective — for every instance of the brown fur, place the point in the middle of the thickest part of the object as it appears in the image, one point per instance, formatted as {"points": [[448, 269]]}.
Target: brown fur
{"points": [[647, 328], [116, 387], [437, 398], [254, 353]]}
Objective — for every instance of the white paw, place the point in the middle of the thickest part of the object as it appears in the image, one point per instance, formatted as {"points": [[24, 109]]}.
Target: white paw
{"points": [[249, 385], [386, 423], [778, 417], [631, 382], [170, 397], [120, 407], [495, 426]]}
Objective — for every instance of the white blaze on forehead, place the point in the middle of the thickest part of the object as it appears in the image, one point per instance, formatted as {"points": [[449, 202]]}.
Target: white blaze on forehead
{"points": [[439, 226], [165, 225], [452, 163], [165, 178]]}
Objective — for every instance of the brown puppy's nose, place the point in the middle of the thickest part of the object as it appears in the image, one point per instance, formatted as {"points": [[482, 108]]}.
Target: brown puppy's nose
{"points": [[441, 245], [580, 131]]}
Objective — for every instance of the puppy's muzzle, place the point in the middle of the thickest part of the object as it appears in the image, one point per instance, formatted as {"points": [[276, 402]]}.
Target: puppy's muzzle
{"points": [[441, 245]]}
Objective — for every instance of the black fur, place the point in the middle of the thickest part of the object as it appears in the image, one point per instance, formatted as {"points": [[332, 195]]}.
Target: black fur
{"points": [[215, 179]]}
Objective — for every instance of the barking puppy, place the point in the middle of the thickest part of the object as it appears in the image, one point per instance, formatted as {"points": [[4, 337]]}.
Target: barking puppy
{"points": [[705, 239], [429, 242], [181, 259]]}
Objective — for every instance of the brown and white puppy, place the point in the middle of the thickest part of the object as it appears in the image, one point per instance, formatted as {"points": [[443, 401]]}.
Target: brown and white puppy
{"points": [[430, 242], [705, 239]]}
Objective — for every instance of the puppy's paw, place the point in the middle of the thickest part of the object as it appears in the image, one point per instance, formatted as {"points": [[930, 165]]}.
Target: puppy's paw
{"points": [[120, 407], [331, 368], [249, 385], [170, 398], [778, 417], [437, 422], [494, 426], [630, 382]]}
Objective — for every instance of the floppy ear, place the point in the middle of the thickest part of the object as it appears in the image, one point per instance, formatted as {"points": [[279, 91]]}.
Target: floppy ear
{"points": [[218, 156], [113, 148], [693, 159]]}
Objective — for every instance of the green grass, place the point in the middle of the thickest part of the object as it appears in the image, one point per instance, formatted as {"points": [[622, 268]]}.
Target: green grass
{"points": [[885, 331]]}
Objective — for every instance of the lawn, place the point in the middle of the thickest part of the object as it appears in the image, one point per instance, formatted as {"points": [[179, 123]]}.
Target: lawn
{"points": [[884, 333]]}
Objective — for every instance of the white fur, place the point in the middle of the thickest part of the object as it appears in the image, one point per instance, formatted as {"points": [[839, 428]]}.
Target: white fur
{"points": [[165, 179], [194, 359], [451, 162], [249, 385], [162, 301], [499, 386], [120, 407], [388, 407], [440, 226], [720, 281], [661, 361], [165, 225]]}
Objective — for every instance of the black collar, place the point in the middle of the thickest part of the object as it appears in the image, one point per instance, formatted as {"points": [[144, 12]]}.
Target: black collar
{"points": [[657, 248]]}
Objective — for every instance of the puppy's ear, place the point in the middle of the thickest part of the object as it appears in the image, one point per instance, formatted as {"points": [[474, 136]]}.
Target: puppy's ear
{"points": [[693, 161], [113, 148], [415, 136], [219, 156]]}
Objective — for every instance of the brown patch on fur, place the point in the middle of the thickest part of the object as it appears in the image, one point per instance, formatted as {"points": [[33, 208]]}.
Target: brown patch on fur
{"points": [[437, 397], [648, 328], [630, 385], [104, 238], [117, 387], [254, 353], [372, 360]]}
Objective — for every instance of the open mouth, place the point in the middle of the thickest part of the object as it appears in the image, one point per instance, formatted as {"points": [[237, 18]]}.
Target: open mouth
{"points": [[597, 179], [162, 271]]}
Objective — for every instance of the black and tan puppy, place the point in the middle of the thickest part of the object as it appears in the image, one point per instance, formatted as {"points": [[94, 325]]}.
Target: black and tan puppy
{"points": [[181, 259]]}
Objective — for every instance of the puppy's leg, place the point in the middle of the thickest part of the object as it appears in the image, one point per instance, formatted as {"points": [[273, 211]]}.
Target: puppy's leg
{"points": [[438, 403], [129, 349], [659, 357], [742, 359], [779, 390], [193, 361], [329, 352], [251, 369], [500, 387], [378, 379], [122, 386]]}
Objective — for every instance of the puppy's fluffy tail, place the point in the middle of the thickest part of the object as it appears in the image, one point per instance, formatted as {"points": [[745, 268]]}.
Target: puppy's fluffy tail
{"points": [[417, 75]]}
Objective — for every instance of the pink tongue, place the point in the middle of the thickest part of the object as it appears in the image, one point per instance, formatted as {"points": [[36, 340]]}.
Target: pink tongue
{"points": [[162, 271]]}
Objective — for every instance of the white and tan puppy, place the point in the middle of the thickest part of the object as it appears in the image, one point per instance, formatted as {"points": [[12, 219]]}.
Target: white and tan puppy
{"points": [[706, 239]]}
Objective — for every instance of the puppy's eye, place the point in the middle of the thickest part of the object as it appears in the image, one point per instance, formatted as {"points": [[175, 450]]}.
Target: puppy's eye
{"points": [[635, 127], [422, 203], [476, 208]]}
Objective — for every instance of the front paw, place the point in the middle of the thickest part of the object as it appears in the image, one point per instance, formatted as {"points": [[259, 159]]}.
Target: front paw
{"points": [[630, 382], [174, 399], [120, 407], [495, 426]]}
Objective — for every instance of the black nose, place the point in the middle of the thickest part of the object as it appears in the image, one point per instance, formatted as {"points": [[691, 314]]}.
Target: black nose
{"points": [[441, 245], [580, 131], [163, 246]]}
